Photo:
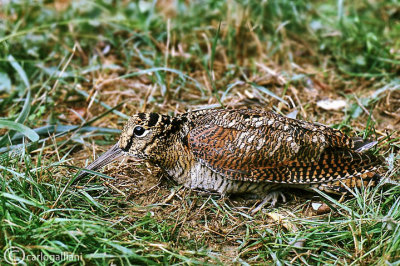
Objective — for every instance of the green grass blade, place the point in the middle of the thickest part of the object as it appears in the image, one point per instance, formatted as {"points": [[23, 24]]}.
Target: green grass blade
{"points": [[23, 200], [19, 70], [268, 92], [26, 131], [27, 104]]}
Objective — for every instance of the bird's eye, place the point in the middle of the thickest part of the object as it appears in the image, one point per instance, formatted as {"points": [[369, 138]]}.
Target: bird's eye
{"points": [[139, 131]]}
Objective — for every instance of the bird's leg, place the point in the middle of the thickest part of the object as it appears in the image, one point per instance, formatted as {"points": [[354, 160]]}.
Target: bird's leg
{"points": [[272, 197]]}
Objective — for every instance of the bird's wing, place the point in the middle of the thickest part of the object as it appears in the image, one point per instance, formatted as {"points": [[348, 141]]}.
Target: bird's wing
{"points": [[259, 146]]}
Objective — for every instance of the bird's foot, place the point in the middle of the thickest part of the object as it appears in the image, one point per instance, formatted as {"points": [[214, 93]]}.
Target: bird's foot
{"points": [[272, 198]]}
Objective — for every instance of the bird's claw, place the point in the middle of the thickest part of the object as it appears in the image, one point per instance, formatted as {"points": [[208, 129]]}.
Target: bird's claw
{"points": [[271, 197]]}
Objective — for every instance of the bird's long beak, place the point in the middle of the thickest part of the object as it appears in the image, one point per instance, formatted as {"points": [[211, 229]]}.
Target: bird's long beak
{"points": [[109, 156]]}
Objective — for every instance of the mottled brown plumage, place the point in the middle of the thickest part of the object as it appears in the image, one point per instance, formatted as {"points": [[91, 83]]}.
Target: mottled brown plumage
{"points": [[246, 151]]}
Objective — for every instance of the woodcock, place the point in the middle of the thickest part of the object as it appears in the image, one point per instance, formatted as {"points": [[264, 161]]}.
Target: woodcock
{"points": [[246, 151]]}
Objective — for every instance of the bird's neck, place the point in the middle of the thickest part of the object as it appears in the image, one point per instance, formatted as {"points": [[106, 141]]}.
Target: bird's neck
{"points": [[172, 152]]}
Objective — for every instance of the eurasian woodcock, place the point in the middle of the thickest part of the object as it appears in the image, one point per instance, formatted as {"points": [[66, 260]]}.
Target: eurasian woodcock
{"points": [[246, 151]]}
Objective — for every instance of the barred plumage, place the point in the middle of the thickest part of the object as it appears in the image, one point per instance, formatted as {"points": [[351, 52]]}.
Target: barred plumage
{"points": [[243, 151]]}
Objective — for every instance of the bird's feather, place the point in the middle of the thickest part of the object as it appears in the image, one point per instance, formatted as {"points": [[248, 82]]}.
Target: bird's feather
{"points": [[258, 146]]}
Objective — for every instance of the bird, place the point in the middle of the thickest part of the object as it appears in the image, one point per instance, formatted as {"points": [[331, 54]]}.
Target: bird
{"points": [[246, 151]]}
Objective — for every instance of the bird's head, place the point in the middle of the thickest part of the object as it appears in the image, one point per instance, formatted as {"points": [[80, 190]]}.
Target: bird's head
{"points": [[143, 133], [143, 137]]}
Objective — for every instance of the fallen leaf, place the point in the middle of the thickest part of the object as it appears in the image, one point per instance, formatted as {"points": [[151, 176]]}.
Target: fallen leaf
{"points": [[320, 208]]}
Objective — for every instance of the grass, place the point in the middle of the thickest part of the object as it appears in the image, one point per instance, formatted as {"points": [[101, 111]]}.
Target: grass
{"points": [[71, 72]]}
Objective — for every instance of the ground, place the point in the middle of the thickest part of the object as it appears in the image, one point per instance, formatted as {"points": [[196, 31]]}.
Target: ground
{"points": [[72, 72]]}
